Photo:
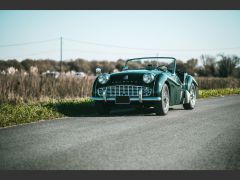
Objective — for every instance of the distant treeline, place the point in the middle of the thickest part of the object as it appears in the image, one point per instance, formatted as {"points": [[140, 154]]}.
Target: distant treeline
{"points": [[211, 66]]}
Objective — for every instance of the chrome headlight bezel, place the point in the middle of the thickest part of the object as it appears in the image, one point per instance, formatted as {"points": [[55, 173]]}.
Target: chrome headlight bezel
{"points": [[148, 78], [103, 78]]}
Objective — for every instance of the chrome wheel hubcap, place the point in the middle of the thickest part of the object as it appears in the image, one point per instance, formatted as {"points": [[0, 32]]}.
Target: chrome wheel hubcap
{"points": [[165, 99], [192, 96]]}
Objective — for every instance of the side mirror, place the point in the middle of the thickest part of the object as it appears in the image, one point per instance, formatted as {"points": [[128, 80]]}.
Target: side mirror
{"points": [[98, 71]]}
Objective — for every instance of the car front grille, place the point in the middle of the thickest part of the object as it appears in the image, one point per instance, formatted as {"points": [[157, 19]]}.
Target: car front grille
{"points": [[124, 90]]}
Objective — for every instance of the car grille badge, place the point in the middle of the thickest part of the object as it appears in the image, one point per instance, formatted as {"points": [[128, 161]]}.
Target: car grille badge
{"points": [[125, 77]]}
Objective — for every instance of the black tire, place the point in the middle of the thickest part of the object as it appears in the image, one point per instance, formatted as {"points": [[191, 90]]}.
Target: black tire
{"points": [[102, 108], [162, 107], [193, 97]]}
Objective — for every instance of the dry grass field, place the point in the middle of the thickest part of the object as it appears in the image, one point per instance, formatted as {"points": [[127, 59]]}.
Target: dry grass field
{"points": [[217, 83], [28, 88], [19, 87]]}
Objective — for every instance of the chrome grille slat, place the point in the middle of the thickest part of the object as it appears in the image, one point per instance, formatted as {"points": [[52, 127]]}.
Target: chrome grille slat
{"points": [[132, 91], [124, 90]]}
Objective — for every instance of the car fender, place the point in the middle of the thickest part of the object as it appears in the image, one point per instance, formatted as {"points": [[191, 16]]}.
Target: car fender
{"points": [[161, 79], [94, 87], [188, 81], [159, 82]]}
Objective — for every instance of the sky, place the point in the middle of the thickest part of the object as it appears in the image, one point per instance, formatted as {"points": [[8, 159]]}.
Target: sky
{"points": [[115, 34]]}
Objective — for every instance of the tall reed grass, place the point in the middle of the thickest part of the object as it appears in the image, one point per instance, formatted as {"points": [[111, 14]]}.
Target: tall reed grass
{"points": [[19, 87], [27, 88], [217, 83]]}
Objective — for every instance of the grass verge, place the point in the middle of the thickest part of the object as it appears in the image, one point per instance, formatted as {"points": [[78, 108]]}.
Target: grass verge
{"points": [[25, 113], [218, 92]]}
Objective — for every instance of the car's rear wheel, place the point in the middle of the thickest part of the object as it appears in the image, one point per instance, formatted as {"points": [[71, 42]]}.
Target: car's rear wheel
{"points": [[102, 108], [162, 107], [192, 101]]}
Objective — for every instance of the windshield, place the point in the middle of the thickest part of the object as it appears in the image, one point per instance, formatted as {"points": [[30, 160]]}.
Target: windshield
{"points": [[151, 63]]}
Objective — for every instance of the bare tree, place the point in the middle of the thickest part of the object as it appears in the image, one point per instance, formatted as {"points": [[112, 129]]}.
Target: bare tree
{"points": [[191, 66], [209, 65], [227, 64]]}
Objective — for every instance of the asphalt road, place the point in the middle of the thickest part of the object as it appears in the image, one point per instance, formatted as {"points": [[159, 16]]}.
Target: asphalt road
{"points": [[207, 137]]}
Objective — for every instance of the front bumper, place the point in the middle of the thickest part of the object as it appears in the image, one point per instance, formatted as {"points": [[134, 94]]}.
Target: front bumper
{"points": [[137, 99], [131, 99]]}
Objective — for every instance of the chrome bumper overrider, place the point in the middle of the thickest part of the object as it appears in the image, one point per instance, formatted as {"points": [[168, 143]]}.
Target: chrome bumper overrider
{"points": [[140, 99]]}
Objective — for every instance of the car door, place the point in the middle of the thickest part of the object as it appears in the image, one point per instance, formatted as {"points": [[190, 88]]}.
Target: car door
{"points": [[176, 90]]}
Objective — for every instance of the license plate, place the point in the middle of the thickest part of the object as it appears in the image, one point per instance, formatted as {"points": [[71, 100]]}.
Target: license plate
{"points": [[122, 100]]}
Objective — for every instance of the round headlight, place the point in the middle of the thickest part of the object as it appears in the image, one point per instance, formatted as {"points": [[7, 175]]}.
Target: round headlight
{"points": [[147, 78], [103, 78]]}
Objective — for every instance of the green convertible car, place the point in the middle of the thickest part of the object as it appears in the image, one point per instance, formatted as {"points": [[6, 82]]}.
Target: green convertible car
{"points": [[143, 83]]}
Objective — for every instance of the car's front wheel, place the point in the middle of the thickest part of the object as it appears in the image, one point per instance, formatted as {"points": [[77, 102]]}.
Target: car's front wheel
{"points": [[192, 101], [162, 107], [102, 108]]}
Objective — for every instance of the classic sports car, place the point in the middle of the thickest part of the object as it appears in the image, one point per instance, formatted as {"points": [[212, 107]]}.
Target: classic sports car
{"points": [[143, 83]]}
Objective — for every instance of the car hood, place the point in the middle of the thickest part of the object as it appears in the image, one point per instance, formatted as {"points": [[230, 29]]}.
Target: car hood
{"points": [[130, 76]]}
